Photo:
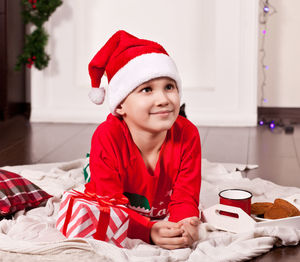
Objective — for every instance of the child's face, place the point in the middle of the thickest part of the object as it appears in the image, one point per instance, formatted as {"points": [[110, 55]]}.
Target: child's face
{"points": [[153, 106]]}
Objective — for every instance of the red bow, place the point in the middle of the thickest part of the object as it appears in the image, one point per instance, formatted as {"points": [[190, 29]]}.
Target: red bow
{"points": [[117, 199]]}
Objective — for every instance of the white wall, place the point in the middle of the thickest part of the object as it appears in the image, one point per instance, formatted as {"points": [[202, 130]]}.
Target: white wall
{"points": [[282, 44], [213, 42]]}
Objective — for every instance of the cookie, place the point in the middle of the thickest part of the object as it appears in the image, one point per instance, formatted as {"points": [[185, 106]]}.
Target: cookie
{"points": [[260, 208], [292, 209], [277, 212], [279, 209]]}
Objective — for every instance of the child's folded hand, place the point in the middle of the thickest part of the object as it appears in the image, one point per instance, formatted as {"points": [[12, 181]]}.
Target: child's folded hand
{"points": [[168, 235], [190, 227]]}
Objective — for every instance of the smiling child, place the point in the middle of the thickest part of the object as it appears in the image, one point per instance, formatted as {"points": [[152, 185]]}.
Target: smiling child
{"points": [[145, 150]]}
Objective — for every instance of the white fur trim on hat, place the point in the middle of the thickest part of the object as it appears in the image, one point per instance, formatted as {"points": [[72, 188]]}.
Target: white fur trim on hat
{"points": [[97, 95], [138, 71]]}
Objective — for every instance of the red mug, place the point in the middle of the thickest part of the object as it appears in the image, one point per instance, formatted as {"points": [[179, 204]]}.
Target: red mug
{"points": [[236, 198]]}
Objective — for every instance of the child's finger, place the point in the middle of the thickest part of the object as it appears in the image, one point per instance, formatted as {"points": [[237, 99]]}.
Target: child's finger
{"points": [[171, 232], [191, 231], [188, 238], [174, 242], [170, 225]]}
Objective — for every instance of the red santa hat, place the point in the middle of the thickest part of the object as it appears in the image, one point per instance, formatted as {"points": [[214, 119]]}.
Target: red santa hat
{"points": [[128, 62]]}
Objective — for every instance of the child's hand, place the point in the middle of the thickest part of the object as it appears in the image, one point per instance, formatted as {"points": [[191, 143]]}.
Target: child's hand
{"points": [[168, 235], [190, 227]]}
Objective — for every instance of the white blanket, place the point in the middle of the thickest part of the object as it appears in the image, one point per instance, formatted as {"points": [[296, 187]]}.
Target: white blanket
{"points": [[32, 236]]}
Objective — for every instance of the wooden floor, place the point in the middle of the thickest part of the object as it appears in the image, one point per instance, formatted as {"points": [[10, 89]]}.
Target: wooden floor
{"points": [[276, 153]]}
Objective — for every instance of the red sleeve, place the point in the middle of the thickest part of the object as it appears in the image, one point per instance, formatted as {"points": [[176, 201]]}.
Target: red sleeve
{"points": [[105, 175], [107, 181], [140, 228], [186, 190]]}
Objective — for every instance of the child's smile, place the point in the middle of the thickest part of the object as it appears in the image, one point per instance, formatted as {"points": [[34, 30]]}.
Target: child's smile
{"points": [[152, 106]]}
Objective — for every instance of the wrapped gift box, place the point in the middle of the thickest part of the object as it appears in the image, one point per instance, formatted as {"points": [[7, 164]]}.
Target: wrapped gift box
{"points": [[88, 216]]}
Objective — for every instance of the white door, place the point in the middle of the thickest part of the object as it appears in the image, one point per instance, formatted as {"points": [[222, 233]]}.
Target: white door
{"points": [[213, 42]]}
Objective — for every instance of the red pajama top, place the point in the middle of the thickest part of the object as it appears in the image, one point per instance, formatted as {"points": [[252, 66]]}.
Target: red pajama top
{"points": [[117, 166]]}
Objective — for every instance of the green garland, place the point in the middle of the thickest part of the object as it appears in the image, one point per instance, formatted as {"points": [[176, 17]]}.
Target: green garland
{"points": [[36, 12]]}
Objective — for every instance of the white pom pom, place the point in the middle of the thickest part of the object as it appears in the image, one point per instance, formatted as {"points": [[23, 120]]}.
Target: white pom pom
{"points": [[97, 95]]}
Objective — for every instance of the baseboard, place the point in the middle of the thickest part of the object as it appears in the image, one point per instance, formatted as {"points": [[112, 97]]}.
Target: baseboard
{"points": [[74, 115], [283, 114]]}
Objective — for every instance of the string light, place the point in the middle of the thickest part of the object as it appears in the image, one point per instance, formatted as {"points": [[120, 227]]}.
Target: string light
{"points": [[272, 125], [267, 11]]}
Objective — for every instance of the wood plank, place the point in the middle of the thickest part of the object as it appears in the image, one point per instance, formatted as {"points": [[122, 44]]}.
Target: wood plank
{"points": [[286, 254], [283, 171], [263, 142], [297, 131], [46, 138], [296, 138], [75, 147], [226, 144], [18, 153], [297, 147], [13, 130], [42, 139], [203, 131], [276, 155]]}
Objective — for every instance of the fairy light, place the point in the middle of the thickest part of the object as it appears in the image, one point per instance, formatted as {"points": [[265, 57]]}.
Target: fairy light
{"points": [[267, 10], [272, 125]]}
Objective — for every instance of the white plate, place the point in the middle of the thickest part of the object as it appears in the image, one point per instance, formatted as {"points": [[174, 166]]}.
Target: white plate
{"points": [[258, 219], [294, 200]]}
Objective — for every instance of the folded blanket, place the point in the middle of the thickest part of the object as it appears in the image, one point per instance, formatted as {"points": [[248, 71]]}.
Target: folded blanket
{"points": [[32, 235]]}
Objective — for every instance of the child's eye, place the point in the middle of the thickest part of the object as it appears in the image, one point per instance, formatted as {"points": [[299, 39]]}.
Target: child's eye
{"points": [[146, 89], [170, 87]]}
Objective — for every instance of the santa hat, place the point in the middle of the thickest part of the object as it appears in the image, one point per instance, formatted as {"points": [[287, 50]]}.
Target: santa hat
{"points": [[128, 62]]}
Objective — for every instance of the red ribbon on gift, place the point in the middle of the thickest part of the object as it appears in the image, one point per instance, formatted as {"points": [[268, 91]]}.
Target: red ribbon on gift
{"points": [[105, 203]]}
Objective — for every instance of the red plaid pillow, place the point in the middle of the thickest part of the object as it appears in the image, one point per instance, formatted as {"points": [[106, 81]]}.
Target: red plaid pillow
{"points": [[17, 193]]}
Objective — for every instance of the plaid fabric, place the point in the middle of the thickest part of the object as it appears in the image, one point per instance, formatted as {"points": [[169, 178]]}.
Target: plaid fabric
{"points": [[17, 193]]}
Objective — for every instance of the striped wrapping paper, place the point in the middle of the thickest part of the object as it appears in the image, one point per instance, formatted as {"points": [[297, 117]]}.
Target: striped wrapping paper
{"points": [[83, 216]]}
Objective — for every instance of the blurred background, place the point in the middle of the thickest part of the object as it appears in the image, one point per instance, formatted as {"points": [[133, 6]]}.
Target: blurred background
{"points": [[234, 57], [238, 60]]}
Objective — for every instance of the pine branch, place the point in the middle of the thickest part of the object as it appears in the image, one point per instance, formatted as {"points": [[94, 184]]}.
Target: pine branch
{"points": [[36, 12]]}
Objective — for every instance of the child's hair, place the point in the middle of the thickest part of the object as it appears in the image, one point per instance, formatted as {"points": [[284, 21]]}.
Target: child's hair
{"points": [[128, 62]]}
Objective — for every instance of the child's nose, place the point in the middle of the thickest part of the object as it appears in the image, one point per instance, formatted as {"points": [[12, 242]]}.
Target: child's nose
{"points": [[162, 98]]}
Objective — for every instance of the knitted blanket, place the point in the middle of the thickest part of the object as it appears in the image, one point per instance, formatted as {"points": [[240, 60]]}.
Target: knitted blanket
{"points": [[32, 236]]}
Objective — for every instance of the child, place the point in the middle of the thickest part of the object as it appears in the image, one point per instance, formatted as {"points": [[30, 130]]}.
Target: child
{"points": [[144, 150]]}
